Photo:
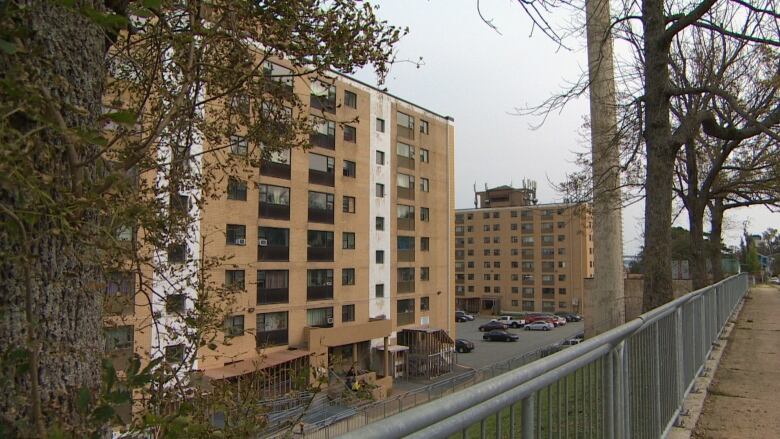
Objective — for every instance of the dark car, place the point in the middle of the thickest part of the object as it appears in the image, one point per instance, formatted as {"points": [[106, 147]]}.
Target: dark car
{"points": [[499, 335], [462, 345], [461, 316], [570, 317], [489, 326]]}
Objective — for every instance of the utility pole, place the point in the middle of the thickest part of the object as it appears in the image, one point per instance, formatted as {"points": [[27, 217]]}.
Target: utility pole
{"points": [[605, 304]]}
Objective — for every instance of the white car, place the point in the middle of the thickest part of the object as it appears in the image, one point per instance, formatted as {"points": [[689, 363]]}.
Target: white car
{"points": [[510, 321], [539, 326]]}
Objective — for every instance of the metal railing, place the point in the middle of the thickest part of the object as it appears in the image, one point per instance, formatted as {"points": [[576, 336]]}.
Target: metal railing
{"points": [[629, 382]]}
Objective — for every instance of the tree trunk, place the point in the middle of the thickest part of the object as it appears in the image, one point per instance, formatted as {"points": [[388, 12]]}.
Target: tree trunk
{"points": [[660, 160], [50, 301], [716, 231], [699, 253]]}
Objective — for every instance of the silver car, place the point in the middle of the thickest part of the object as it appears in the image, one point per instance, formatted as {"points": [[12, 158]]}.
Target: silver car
{"points": [[538, 326]]}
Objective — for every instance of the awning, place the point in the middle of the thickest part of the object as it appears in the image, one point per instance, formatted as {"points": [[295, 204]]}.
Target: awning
{"points": [[254, 364], [393, 348]]}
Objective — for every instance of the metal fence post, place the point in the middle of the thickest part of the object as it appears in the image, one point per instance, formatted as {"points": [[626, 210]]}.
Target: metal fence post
{"points": [[609, 390], [678, 341], [528, 417]]}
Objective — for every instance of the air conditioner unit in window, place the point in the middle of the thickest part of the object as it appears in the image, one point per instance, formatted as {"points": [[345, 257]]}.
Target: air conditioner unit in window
{"points": [[262, 242], [240, 241], [330, 320]]}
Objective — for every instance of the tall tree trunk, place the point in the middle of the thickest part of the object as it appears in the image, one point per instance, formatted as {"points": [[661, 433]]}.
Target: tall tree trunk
{"points": [[660, 159], [51, 309], [699, 252], [716, 239], [608, 296]]}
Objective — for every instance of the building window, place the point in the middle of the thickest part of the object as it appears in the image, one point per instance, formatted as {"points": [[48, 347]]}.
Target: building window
{"points": [[272, 286], [425, 303], [561, 238], [380, 157], [236, 189], [380, 190], [424, 184], [423, 126], [174, 354], [380, 126], [380, 256], [470, 264], [347, 313], [425, 273], [350, 99], [561, 277], [175, 303], [236, 234], [423, 155], [528, 305], [513, 226], [348, 240], [486, 276], [348, 204], [405, 125], [562, 305], [350, 169], [119, 337], [528, 292], [425, 214], [350, 134], [486, 240], [271, 329], [487, 289], [319, 245], [486, 264], [496, 227], [120, 284], [425, 243], [496, 276], [561, 290], [275, 195], [177, 253], [238, 146], [561, 264], [515, 277], [496, 214], [380, 223], [562, 251], [496, 264], [379, 290], [235, 279], [496, 240], [234, 325], [347, 276]]}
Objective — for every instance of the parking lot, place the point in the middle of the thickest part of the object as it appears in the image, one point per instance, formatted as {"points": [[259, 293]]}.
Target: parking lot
{"points": [[486, 353]]}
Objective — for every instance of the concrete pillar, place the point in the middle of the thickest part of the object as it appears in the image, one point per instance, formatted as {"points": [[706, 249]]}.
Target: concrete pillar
{"points": [[606, 302]]}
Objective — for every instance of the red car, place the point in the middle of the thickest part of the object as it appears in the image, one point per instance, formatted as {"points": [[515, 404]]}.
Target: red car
{"points": [[537, 317]]}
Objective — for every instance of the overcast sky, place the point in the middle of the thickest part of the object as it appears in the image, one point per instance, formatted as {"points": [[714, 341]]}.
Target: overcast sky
{"points": [[479, 77]]}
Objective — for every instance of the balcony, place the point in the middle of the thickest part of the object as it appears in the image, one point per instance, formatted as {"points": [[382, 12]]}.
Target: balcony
{"points": [[323, 140], [324, 216], [271, 338], [547, 256], [406, 224], [314, 254], [323, 103], [548, 268], [405, 318], [529, 282], [527, 269], [406, 193], [319, 292], [119, 304], [273, 253], [405, 132], [276, 170], [269, 296], [405, 255], [274, 211], [459, 243], [405, 162], [322, 178], [405, 286]]}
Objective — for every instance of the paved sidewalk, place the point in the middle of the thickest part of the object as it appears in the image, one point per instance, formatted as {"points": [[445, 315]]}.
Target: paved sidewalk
{"points": [[743, 400]]}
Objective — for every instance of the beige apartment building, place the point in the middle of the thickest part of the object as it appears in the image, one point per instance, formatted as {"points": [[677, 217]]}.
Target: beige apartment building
{"points": [[513, 255], [340, 254]]}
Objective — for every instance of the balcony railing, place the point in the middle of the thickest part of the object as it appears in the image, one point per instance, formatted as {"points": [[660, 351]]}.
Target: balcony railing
{"points": [[323, 178], [405, 132], [320, 215], [323, 103], [271, 338], [405, 162], [405, 318], [630, 381], [274, 211], [323, 140], [321, 292], [319, 253], [273, 253], [119, 304], [406, 193], [273, 169], [405, 255], [405, 286], [548, 256], [268, 296], [405, 223]]}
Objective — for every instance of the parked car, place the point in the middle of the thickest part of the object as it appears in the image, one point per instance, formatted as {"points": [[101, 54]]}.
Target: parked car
{"points": [[543, 318], [489, 326], [510, 321], [572, 342], [539, 325], [570, 317], [562, 320], [500, 335], [462, 316], [463, 346]]}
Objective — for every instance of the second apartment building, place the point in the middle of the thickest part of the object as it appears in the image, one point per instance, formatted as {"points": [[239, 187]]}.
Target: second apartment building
{"points": [[512, 255]]}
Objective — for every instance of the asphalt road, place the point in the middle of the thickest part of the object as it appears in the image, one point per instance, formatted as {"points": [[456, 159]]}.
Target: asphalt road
{"points": [[486, 353]]}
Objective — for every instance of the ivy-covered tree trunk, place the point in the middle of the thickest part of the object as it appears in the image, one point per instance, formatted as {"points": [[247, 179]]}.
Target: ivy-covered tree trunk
{"points": [[716, 239], [660, 159], [50, 305]]}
